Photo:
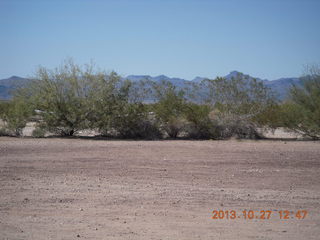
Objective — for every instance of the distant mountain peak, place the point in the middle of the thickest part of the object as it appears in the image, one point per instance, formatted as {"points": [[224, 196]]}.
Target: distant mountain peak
{"points": [[9, 84], [235, 74], [198, 79], [162, 77], [14, 77]]}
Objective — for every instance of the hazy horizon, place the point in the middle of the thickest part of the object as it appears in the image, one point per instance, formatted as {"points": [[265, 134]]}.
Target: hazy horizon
{"points": [[154, 76]]}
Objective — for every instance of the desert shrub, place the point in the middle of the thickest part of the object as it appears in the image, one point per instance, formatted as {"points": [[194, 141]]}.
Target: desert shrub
{"points": [[143, 129], [173, 126], [15, 117], [302, 113], [71, 98], [4, 132], [38, 132], [269, 118], [118, 110], [242, 130], [200, 126], [209, 131], [238, 101], [169, 108], [228, 126], [61, 96], [108, 95], [3, 108], [133, 121], [232, 126]]}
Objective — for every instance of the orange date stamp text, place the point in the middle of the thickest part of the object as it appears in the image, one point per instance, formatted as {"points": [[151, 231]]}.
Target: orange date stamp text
{"points": [[259, 214]]}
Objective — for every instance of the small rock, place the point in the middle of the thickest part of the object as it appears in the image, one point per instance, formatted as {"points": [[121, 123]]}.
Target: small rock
{"points": [[78, 235]]}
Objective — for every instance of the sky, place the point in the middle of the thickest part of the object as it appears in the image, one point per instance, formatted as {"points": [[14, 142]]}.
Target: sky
{"points": [[188, 38]]}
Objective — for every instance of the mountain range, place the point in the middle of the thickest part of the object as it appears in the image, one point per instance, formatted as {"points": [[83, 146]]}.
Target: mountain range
{"points": [[279, 86]]}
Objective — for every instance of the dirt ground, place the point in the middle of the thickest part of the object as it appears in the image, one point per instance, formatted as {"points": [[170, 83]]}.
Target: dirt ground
{"points": [[99, 189]]}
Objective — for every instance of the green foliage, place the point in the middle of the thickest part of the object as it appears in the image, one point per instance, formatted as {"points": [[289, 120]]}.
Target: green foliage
{"points": [[61, 97], [240, 95], [302, 114], [240, 102], [3, 105], [38, 132], [4, 132], [108, 94], [170, 108], [15, 115], [270, 117], [133, 121], [200, 125], [73, 98], [117, 109]]}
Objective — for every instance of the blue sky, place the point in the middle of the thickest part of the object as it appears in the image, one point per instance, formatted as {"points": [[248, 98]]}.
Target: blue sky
{"points": [[266, 39]]}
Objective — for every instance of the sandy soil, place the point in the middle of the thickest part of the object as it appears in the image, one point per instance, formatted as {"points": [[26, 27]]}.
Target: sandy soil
{"points": [[96, 189]]}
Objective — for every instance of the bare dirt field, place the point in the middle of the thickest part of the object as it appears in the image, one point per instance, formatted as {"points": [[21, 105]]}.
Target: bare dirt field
{"points": [[97, 189]]}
